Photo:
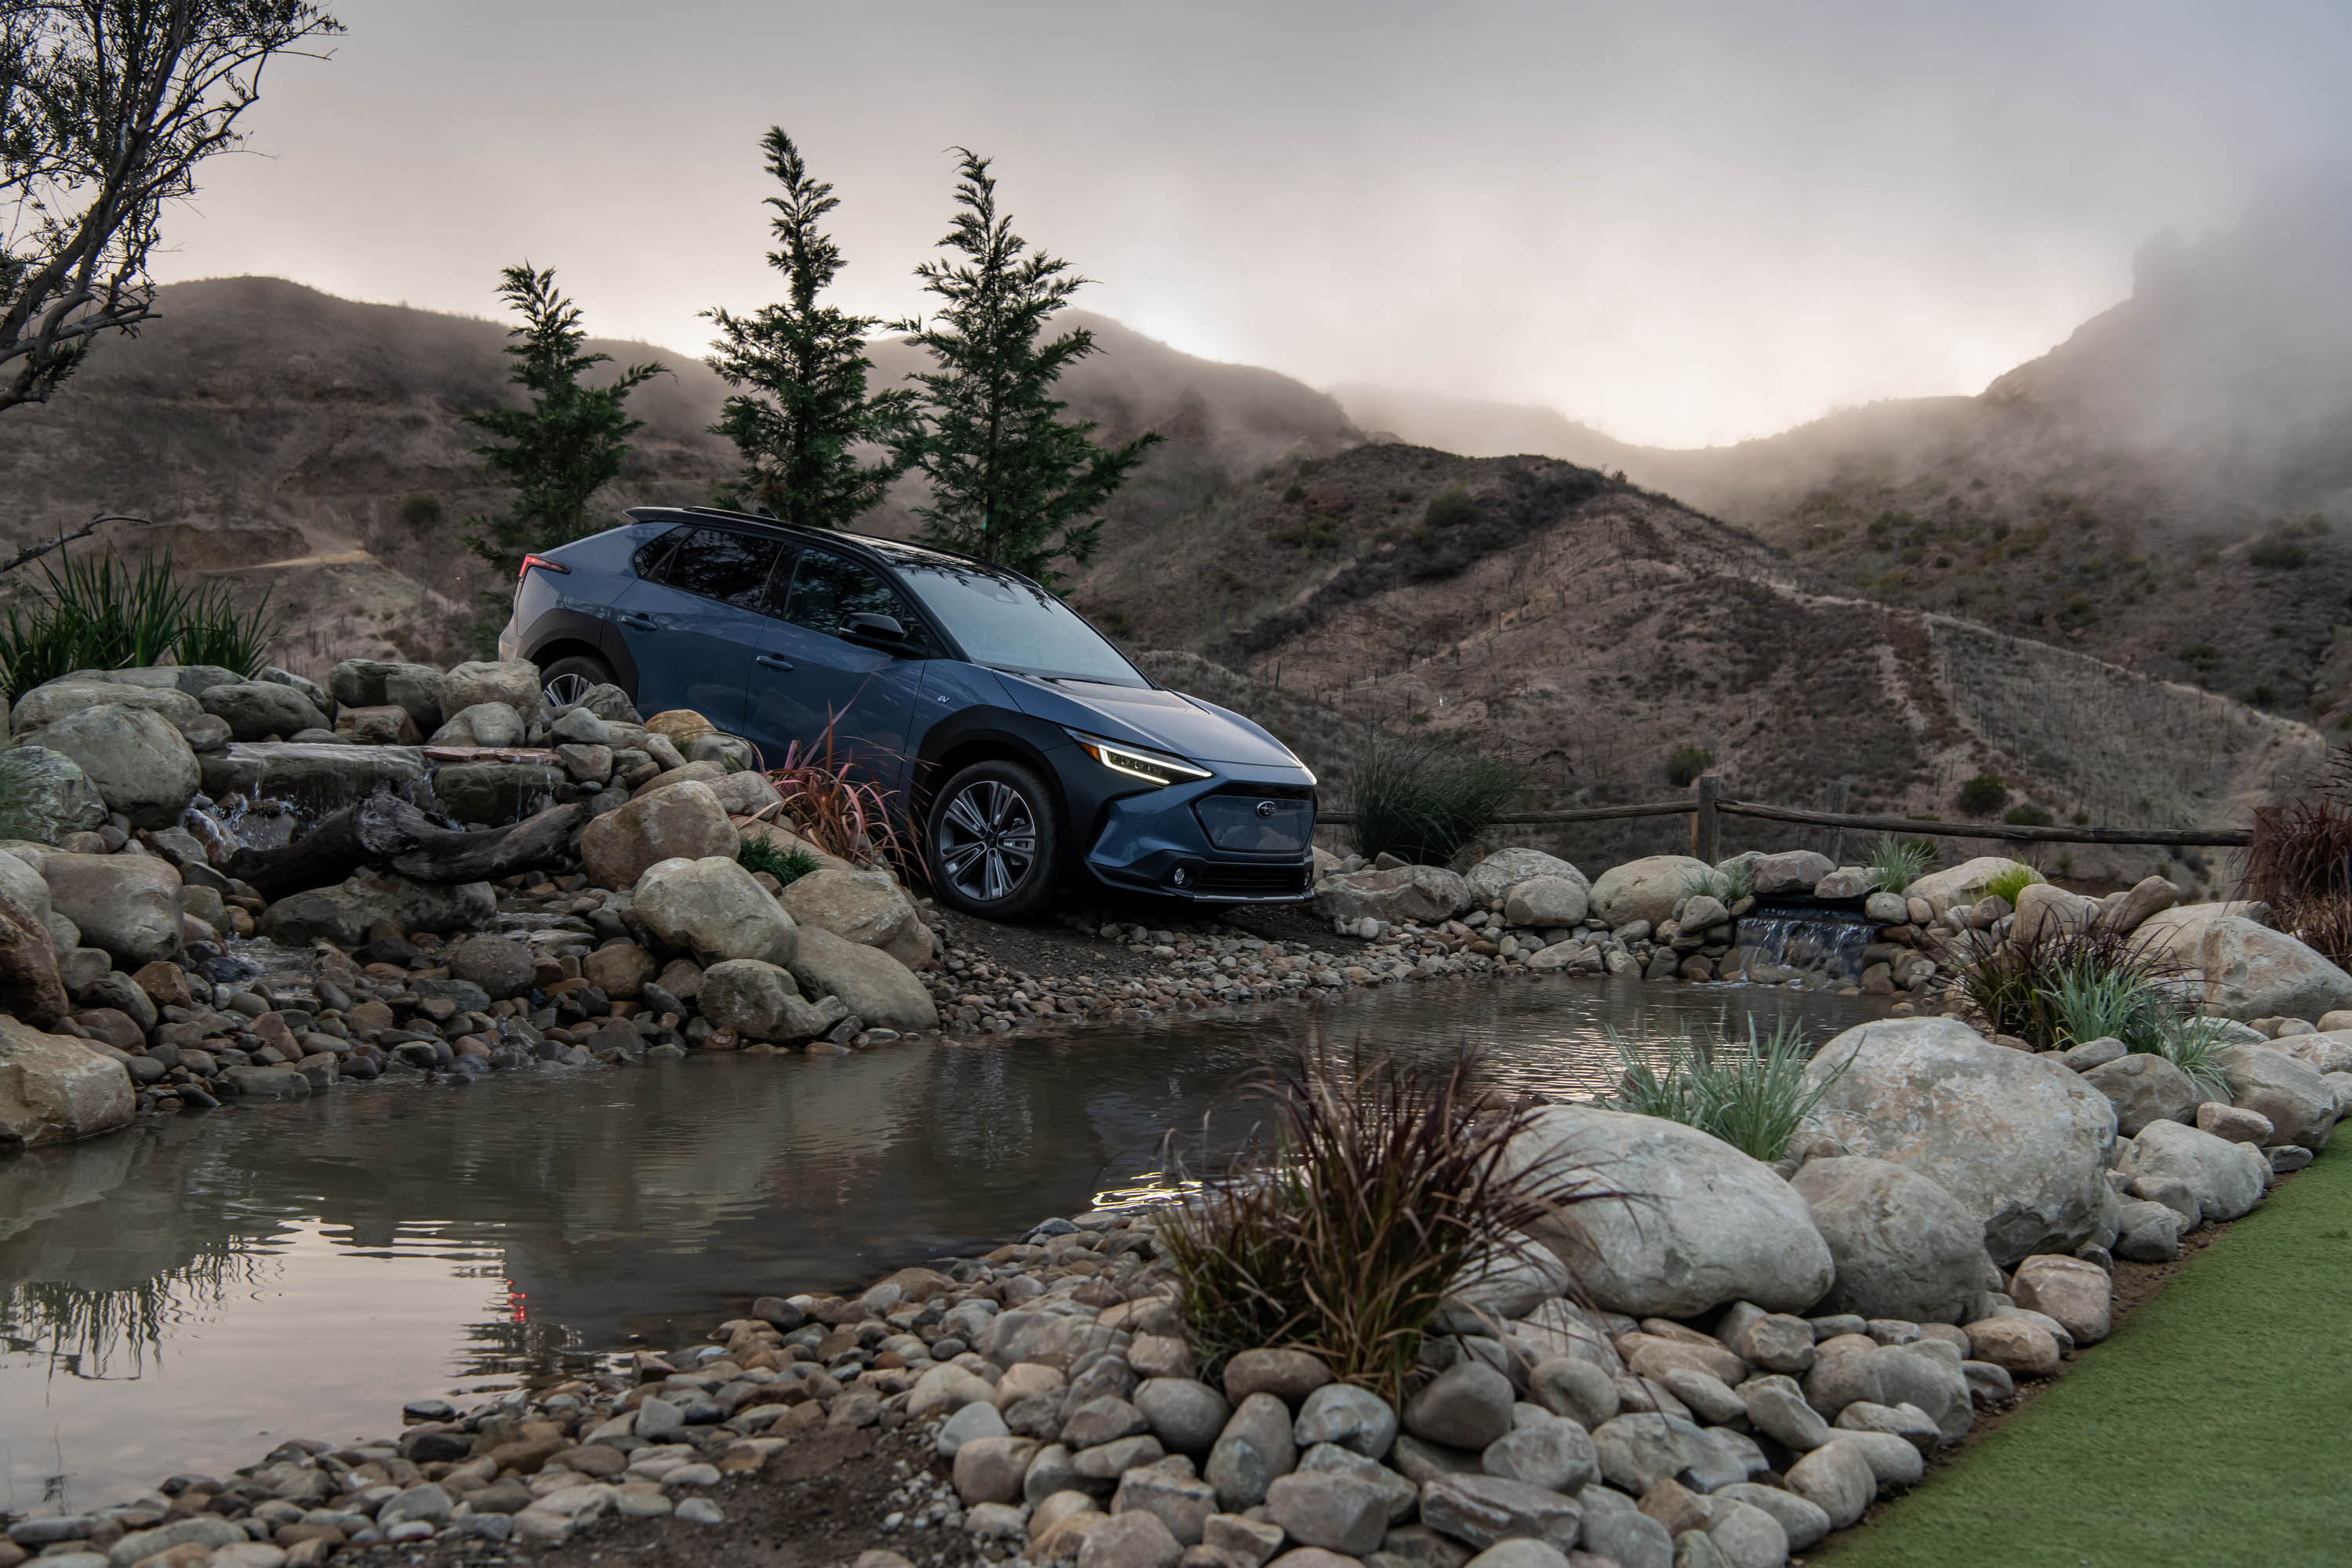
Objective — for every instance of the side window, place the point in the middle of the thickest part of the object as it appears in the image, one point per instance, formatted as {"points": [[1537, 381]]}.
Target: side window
{"points": [[718, 564], [653, 554], [828, 589]]}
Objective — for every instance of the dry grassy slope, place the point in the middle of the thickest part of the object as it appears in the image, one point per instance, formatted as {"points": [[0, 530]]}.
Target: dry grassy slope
{"points": [[1593, 628], [258, 421], [2130, 493]]}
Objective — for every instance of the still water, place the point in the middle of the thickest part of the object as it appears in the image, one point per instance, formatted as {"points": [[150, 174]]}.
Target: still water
{"points": [[186, 1295]]}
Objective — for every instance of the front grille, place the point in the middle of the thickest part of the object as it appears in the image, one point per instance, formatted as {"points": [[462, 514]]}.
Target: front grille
{"points": [[1252, 881], [1256, 824]]}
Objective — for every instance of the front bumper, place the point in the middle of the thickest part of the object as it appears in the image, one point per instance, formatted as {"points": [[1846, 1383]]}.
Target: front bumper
{"points": [[1154, 841]]}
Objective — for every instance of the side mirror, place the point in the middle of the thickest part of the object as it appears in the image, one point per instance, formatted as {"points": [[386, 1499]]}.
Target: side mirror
{"points": [[882, 632]]}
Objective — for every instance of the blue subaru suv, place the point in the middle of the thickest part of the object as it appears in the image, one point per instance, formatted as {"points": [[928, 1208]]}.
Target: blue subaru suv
{"points": [[1019, 747]]}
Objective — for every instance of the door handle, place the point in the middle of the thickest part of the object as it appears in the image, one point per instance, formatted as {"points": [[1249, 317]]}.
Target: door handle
{"points": [[772, 662], [642, 623]]}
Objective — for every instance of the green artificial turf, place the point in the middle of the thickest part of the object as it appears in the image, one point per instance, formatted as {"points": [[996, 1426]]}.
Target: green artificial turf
{"points": [[2211, 1429]]}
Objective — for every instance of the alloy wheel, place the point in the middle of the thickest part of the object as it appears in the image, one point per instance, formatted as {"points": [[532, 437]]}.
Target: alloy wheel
{"points": [[987, 840], [567, 688]]}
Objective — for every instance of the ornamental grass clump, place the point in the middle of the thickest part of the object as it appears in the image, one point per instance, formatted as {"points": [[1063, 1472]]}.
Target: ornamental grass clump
{"points": [[2012, 880], [2300, 863], [1749, 1091], [2063, 985], [1896, 863], [842, 814], [786, 865], [1378, 1187], [97, 613], [1424, 801]]}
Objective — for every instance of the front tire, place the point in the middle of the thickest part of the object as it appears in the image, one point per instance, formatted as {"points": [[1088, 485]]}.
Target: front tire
{"points": [[994, 841], [567, 680]]}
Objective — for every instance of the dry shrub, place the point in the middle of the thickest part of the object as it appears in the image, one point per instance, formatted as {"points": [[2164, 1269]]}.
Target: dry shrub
{"points": [[1379, 1188], [2300, 863], [840, 813]]}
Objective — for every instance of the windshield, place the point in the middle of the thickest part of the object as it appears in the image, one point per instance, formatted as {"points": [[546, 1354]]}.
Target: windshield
{"points": [[1014, 624]]}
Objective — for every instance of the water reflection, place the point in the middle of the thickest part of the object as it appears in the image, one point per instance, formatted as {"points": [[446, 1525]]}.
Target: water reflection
{"points": [[169, 1295]]}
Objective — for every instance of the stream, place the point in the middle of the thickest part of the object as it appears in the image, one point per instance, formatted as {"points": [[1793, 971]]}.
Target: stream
{"points": [[185, 1295]]}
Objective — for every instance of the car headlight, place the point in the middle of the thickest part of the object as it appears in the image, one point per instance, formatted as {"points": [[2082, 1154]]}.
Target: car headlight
{"points": [[1151, 767]]}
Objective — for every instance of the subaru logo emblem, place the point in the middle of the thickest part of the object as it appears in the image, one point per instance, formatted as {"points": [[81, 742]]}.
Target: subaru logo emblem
{"points": [[1265, 809]]}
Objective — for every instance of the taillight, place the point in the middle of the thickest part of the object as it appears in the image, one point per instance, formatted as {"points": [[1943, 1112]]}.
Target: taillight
{"points": [[544, 564]]}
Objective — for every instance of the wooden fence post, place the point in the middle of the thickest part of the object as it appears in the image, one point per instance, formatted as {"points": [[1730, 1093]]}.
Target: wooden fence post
{"points": [[1836, 797], [1706, 827]]}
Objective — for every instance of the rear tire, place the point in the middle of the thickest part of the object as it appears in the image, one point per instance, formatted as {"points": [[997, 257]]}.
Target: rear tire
{"points": [[994, 841], [567, 680]]}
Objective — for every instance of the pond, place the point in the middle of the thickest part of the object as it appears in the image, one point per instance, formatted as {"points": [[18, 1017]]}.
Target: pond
{"points": [[186, 1295]]}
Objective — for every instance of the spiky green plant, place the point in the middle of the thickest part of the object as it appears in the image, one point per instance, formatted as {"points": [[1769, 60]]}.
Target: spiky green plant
{"points": [[1748, 1090], [1896, 863], [97, 612], [786, 865], [2012, 880], [1425, 801], [2190, 1041]]}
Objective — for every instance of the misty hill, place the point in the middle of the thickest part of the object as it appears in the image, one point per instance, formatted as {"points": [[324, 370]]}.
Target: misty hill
{"points": [[1553, 614], [261, 422], [2170, 488]]}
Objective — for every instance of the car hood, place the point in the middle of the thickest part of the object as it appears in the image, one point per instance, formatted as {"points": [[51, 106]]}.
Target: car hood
{"points": [[1147, 716]]}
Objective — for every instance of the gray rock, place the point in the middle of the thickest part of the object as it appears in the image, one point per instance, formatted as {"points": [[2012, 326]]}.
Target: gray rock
{"points": [[1467, 1406], [1545, 901], [1707, 1398], [1904, 1247], [314, 779], [1492, 878], [46, 704], [1132, 1540], [1340, 1412], [972, 1422], [127, 904], [378, 904], [2095, 1053], [1802, 1521], [1330, 1509], [1836, 1479], [1256, 1447], [1907, 1422], [1510, 1286], [44, 795], [140, 1544], [483, 724], [1710, 1225], [1483, 1510], [139, 764], [1543, 1451], [2150, 1232], [426, 1500], [256, 709], [501, 966], [1403, 1495], [1776, 1407], [1109, 1461], [684, 821], [1788, 871], [1893, 1461], [2252, 972], [580, 727], [1520, 1554], [1180, 1502], [2272, 1083], [1776, 1341], [1186, 1416], [758, 1001], [2144, 1087], [1421, 1462], [2021, 1141], [1845, 883], [990, 1470], [2226, 1179], [1616, 1528], [1426, 893], [1049, 1471], [1746, 1536], [1988, 1383], [870, 981], [497, 793], [55, 1088], [1574, 1388], [1637, 1451], [511, 683], [712, 908], [1645, 890]]}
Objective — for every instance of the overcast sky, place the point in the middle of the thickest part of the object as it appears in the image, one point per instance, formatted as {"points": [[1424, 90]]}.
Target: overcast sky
{"points": [[1681, 223]]}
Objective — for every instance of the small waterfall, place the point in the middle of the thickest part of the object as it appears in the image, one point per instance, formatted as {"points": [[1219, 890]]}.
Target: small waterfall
{"points": [[1780, 940]]}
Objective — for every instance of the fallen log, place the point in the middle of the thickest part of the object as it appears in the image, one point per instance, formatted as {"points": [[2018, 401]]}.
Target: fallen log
{"points": [[385, 829]]}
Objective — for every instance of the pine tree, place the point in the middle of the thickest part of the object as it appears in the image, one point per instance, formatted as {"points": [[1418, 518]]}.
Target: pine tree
{"points": [[563, 448], [1011, 480], [803, 366]]}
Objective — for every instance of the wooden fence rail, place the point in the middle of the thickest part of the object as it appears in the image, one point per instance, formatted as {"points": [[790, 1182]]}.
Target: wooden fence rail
{"points": [[1707, 808]]}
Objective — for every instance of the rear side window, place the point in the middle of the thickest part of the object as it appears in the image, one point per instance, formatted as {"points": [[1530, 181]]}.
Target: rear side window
{"points": [[828, 589], [732, 568], [648, 562]]}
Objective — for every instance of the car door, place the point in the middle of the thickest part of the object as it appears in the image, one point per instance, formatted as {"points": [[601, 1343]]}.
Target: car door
{"points": [[694, 624], [809, 680]]}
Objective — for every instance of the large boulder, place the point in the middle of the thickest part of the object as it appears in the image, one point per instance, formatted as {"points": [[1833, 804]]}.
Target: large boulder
{"points": [[2044, 907], [127, 904], [256, 709], [1495, 875], [871, 984], [483, 724], [513, 682], [2227, 1178], [757, 1000], [2292, 1094], [867, 907], [2253, 971], [2176, 935], [1965, 882], [377, 683], [683, 822], [1424, 894], [1548, 901], [711, 907], [2127, 912], [2143, 1088], [55, 1088], [2019, 1139], [136, 759], [378, 904], [1646, 889], [497, 793], [1696, 1222], [44, 795], [1904, 1246], [193, 679], [1788, 872], [45, 705], [315, 778]]}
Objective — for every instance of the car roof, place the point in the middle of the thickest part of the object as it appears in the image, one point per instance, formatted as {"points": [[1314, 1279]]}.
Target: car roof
{"points": [[891, 551]]}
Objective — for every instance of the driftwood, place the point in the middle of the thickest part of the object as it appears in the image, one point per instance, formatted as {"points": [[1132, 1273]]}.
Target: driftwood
{"points": [[386, 830]]}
